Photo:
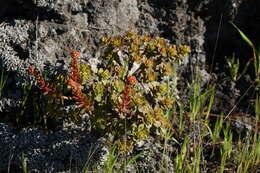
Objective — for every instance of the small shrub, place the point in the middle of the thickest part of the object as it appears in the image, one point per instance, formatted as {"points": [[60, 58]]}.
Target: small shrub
{"points": [[129, 93]]}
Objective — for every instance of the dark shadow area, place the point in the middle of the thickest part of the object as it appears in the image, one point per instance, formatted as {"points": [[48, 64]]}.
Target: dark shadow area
{"points": [[13, 9], [221, 38], [22, 53]]}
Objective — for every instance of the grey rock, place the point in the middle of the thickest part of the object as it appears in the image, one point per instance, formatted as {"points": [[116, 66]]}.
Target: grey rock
{"points": [[46, 152], [153, 158], [6, 104]]}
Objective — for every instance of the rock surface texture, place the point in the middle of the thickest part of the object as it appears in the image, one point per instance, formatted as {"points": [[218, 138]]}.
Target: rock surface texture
{"points": [[40, 32]]}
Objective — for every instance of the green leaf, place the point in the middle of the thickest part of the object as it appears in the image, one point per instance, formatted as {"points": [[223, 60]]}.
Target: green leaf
{"points": [[24, 163], [133, 159], [244, 37]]}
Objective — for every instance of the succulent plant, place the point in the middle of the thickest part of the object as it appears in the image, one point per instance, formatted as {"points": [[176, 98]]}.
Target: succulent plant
{"points": [[128, 92]]}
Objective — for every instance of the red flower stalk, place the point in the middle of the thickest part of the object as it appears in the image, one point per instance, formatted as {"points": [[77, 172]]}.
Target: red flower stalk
{"points": [[75, 54], [75, 86], [41, 82], [132, 80], [74, 74], [126, 100], [79, 96]]}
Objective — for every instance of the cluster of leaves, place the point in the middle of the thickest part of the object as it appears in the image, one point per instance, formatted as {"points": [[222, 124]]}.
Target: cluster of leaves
{"points": [[130, 92]]}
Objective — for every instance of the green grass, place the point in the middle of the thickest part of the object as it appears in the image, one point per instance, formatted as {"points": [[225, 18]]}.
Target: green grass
{"points": [[3, 79]]}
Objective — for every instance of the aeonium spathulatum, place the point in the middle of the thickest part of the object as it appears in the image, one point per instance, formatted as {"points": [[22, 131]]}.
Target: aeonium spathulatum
{"points": [[133, 80]]}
